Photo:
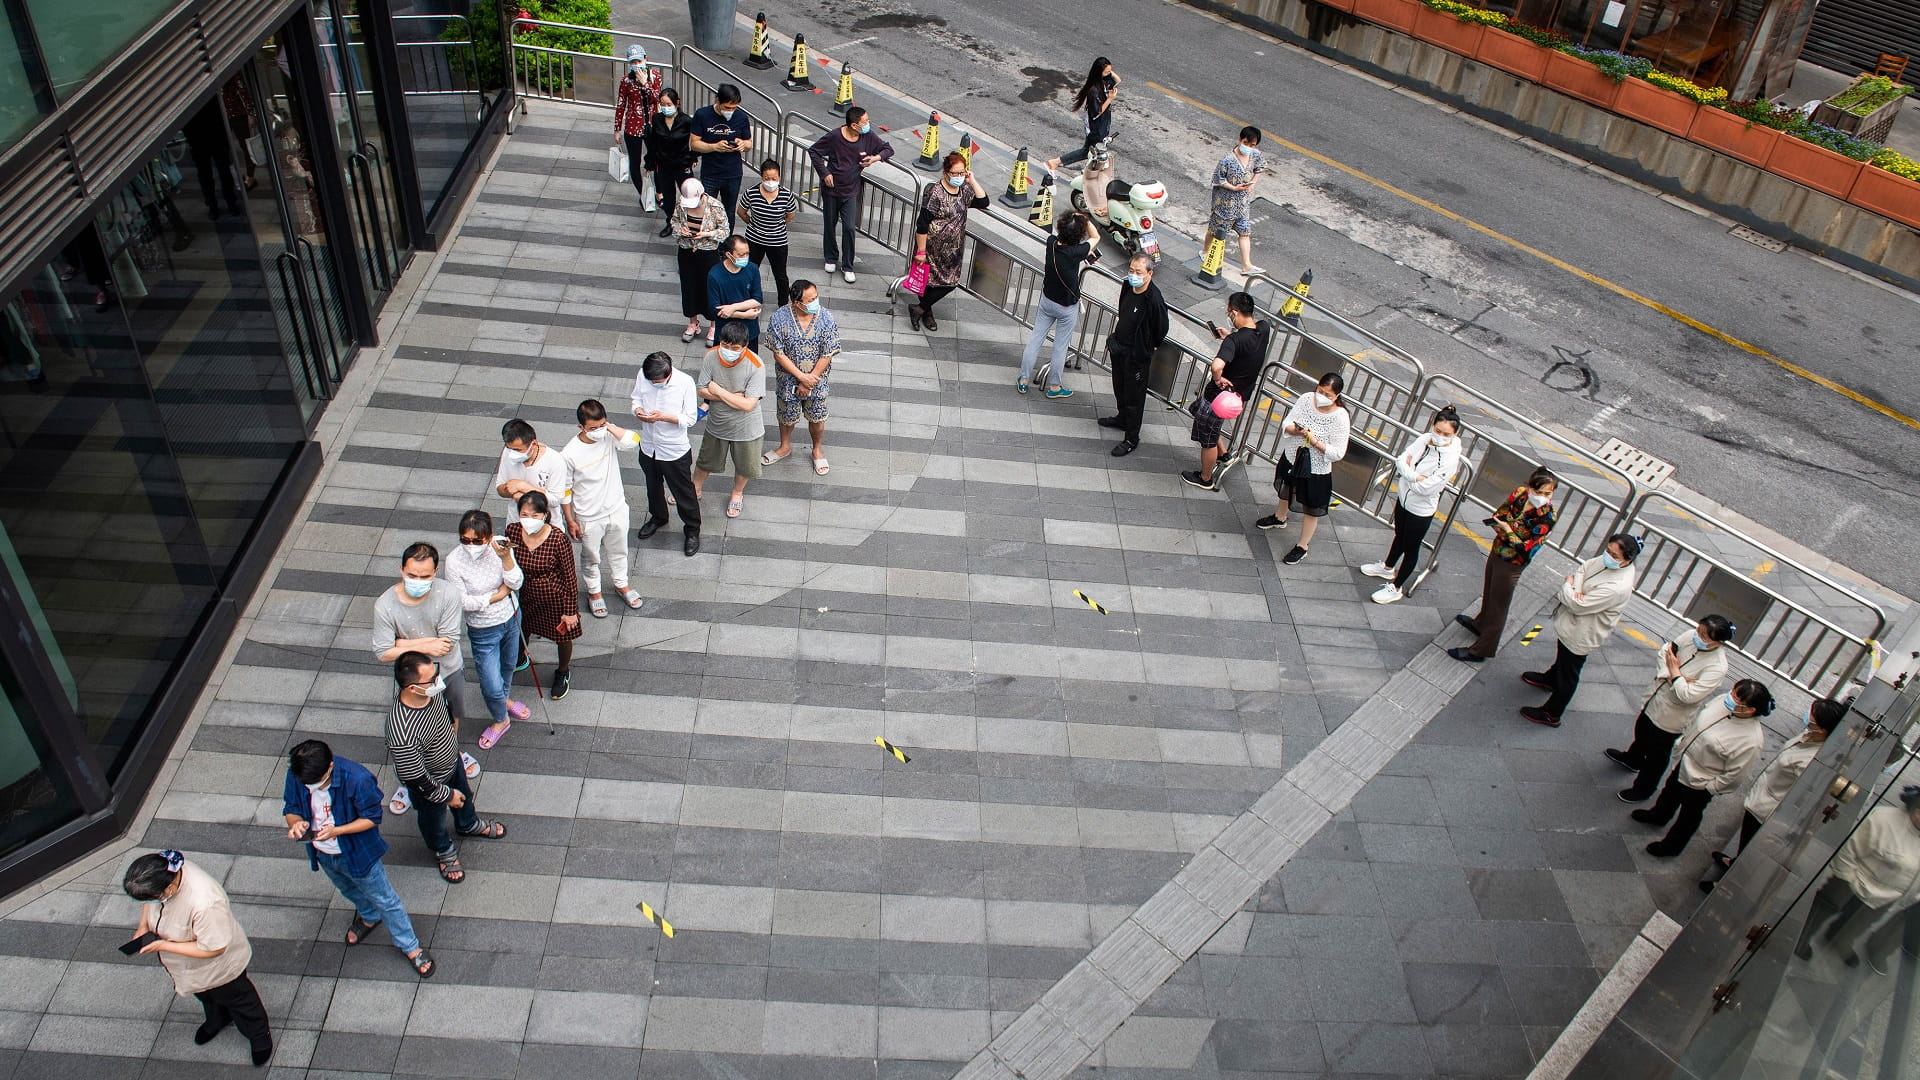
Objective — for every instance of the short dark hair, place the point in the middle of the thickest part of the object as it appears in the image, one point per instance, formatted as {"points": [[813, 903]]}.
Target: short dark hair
{"points": [[670, 94], [477, 522], [589, 409], [1630, 545], [734, 243], [657, 365], [1241, 302], [733, 333], [953, 158], [148, 877], [420, 549], [770, 163], [853, 115], [1827, 713], [1754, 695], [532, 500], [1540, 477], [517, 430], [406, 670], [726, 94], [309, 761], [1719, 627], [1072, 227], [1250, 134], [799, 285]]}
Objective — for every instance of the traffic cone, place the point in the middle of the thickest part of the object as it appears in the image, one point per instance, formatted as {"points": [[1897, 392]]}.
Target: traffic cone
{"points": [[843, 93], [1290, 311], [757, 56], [1016, 194], [1210, 263], [1041, 215], [797, 73], [966, 149], [930, 145]]}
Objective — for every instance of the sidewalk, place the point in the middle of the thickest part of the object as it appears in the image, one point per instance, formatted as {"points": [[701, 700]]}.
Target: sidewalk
{"points": [[833, 906]]}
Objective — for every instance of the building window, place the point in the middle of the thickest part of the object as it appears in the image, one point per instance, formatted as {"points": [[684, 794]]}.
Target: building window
{"points": [[78, 37], [19, 105]]}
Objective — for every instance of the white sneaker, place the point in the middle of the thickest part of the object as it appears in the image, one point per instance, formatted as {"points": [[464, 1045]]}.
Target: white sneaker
{"points": [[848, 277], [831, 267], [1377, 569], [1388, 594], [401, 802]]}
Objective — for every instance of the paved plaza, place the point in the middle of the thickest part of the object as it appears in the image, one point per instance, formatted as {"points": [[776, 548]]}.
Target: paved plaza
{"points": [[1075, 870]]}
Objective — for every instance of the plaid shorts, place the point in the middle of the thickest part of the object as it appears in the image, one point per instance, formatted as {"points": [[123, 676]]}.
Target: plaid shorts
{"points": [[1206, 426]]}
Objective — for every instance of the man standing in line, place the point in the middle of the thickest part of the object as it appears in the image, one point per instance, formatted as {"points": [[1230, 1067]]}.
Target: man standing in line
{"points": [[733, 379], [665, 403], [598, 499], [1139, 330], [840, 156], [527, 464], [1243, 350], [733, 290], [421, 614], [420, 743], [722, 135]]}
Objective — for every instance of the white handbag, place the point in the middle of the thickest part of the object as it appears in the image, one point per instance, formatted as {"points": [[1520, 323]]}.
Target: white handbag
{"points": [[649, 198], [617, 163]]}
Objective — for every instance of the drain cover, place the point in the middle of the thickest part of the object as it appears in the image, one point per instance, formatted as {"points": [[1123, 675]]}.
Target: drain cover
{"points": [[1758, 239], [1645, 469]]}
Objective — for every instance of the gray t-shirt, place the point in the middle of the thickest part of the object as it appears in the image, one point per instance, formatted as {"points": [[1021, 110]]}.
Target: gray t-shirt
{"points": [[747, 376], [439, 614]]}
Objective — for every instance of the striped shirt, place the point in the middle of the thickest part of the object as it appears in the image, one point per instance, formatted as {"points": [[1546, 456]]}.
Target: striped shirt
{"points": [[421, 746], [767, 218]]}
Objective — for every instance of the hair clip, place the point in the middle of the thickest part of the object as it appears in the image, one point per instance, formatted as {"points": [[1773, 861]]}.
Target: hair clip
{"points": [[175, 860]]}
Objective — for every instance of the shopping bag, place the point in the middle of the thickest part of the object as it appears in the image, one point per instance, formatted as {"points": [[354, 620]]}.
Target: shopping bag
{"points": [[649, 198], [916, 280], [617, 163]]}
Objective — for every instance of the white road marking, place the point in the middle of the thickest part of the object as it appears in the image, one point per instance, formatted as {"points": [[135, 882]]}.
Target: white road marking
{"points": [[1604, 415], [825, 49]]}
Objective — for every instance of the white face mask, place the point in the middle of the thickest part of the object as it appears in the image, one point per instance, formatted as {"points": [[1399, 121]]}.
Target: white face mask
{"points": [[598, 434], [532, 525], [439, 685], [1442, 440], [725, 114], [518, 457], [1537, 500], [730, 355], [771, 185], [1322, 400]]}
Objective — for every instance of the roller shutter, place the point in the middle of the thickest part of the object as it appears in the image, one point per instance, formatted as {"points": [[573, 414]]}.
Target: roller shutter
{"points": [[1848, 36]]}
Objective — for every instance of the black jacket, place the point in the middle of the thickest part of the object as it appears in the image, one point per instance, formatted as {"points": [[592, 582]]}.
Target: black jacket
{"points": [[1142, 324], [668, 150]]}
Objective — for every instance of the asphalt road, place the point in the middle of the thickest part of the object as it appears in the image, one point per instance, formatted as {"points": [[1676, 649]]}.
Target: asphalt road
{"points": [[1822, 470]]}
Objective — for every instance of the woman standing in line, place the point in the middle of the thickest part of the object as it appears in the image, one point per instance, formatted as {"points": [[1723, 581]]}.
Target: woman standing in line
{"points": [[1878, 867], [1520, 526], [1590, 604], [669, 152], [805, 342], [1069, 250], [484, 568], [1094, 103], [200, 944], [1722, 744], [766, 208], [1693, 668], [941, 232], [550, 594], [699, 223], [639, 96], [1316, 430], [1425, 468]]}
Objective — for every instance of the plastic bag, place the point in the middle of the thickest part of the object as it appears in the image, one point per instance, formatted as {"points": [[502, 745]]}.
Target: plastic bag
{"points": [[617, 163]]}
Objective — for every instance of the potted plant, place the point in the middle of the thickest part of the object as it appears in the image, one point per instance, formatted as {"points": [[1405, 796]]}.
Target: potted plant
{"points": [[1821, 158], [1517, 48], [1449, 25], [1865, 108], [1890, 186], [1575, 74], [1665, 101], [1742, 130], [1393, 14]]}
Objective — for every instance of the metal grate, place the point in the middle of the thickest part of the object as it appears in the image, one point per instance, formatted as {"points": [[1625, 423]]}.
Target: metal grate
{"points": [[1758, 239], [1644, 468]]}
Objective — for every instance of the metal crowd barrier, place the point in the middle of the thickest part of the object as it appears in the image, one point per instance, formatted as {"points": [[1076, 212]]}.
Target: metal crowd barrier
{"points": [[543, 73]]}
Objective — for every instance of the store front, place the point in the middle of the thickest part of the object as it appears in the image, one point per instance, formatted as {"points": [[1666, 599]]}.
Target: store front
{"points": [[1746, 46]]}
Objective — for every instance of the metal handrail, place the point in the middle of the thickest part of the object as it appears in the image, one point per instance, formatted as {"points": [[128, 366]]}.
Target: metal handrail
{"points": [[1419, 368], [775, 128], [520, 82]]}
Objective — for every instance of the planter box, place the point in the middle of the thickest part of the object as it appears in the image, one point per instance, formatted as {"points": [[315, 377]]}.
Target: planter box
{"points": [[1734, 136], [1514, 54], [1570, 75], [1884, 193], [1814, 166], [1393, 14], [1670, 112], [1873, 126], [1452, 34]]}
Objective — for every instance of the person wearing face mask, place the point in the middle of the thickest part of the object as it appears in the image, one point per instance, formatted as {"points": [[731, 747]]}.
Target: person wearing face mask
{"points": [[1520, 526], [840, 156], [1591, 602], [484, 570], [723, 136], [1720, 747], [699, 225], [200, 944], [1094, 103], [667, 406], [1823, 717], [1139, 329], [637, 99], [527, 464], [333, 804], [1690, 670], [1424, 469], [1876, 869], [1232, 210], [599, 502], [1235, 368], [420, 744], [767, 207], [669, 138], [940, 234], [733, 381], [1316, 432], [733, 291], [423, 614], [806, 340], [550, 592]]}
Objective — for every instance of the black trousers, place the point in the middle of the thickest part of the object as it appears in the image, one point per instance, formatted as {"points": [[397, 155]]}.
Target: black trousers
{"points": [[844, 213], [728, 192], [934, 294], [1649, 752], [777, 254], [1409, 529], [1838, 908], [238, 1001], [677, 475], [1564, 677], [637, 153], [1129, 372], [666, 185], [1684, 805]]}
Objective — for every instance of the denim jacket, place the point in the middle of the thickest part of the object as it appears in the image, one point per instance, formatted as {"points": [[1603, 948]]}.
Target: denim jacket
{"points": [[356, 795]]}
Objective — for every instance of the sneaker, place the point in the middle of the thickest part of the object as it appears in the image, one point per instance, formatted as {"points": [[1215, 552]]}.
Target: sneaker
{"points": [[1378, 569], [467, 765], [847, 276], [1388, 594], [1620, 758], [562, 680], [1019, 386], [1294, 556], [1536, 679], [1058, 392], [1628, 795], [1269, 522], [525, 663], [831, 267], [1193, 479], [1540, 716]]}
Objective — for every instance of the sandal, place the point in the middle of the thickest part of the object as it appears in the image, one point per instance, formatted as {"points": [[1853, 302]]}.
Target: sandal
{"points": [[734, 507], [820, 466], [771, 458], [358, 930], [632, 598], [515, 711], [422, 962], [469, 766], [489, 738], [450, 871], [402, 800], [597, 605], [489, 830]]}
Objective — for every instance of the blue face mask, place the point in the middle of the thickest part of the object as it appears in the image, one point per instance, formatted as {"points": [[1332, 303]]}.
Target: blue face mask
{"points": [[1134, 281], [1607, 560], [668, 110], [1703, 646], [1730, 702], [741, 261], [416, 587], [813, 307], [1244, 149], [866, 128], [954, 182]]}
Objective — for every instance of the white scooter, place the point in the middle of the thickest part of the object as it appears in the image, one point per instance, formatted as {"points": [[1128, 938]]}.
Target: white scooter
{"points": [[1122, 206]]}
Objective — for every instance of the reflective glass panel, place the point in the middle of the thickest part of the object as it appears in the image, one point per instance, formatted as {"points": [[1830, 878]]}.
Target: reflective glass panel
{"points": [[18, 108], [32, 800], [78, 37]]}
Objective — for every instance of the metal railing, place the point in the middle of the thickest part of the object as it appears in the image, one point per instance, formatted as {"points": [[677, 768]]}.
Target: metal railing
{"points": [[544, 73]]}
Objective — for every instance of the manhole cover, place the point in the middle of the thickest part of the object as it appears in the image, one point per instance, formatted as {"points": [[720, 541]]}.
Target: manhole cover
{"points": [[1643, 467], [1758, 239]]}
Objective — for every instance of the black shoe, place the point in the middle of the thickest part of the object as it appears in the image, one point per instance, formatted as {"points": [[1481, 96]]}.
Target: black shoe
{"points": [[1852, 960], [1540, 716], [913, 315], [1620, 758], [1662, 850], [1111, 422], [1722, 860], [1629, 795], [262, 1054], [1536, 679], [649, 529], [1646, 816], [204, 1034], [932, 325], [1270, 522], [1294, 556], [1194, 479], [1124, 447], [562, 680], [1706, 886], [1465, 655], [693, 544], [1472, 627], [667, 229]]}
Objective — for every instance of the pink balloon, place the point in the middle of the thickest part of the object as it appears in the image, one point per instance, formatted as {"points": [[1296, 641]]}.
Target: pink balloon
{"points": [[1227, 405]]}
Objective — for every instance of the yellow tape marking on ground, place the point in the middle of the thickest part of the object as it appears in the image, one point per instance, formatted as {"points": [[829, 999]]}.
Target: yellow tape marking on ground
{"points": [[891, 749], [1527, 638], [655, 918], [1585, 275], [1479, 541], [1639, 637], [1765, 568], [1089, 601]]}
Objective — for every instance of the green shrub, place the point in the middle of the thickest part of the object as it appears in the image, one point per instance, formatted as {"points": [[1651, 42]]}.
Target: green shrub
{"points": [[485, 22]]}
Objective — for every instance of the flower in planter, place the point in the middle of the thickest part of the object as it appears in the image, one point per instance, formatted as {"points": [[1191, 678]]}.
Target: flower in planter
{"points": [[1686, 88], [1896, 163], [1835, 140], [1867, 93], [1469, 13], [1765, 113], [1618, 67]]}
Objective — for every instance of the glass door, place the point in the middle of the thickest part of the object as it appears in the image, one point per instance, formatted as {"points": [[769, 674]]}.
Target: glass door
{"points": [[371, 183]]}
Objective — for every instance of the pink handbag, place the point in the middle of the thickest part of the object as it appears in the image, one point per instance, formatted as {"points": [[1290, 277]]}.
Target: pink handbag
{"points": [[916, 280]]}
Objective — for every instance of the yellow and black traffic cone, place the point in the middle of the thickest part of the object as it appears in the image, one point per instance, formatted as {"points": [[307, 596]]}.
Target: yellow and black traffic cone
{"points": [[1290, 311], [1215, 257], [757, 56], [843, 92], [1042, 213], [966, 148], [1016, 194], [930, 145], [797, 72]]}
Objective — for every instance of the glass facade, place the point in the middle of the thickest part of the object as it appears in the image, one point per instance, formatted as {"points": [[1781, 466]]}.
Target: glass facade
{"points": [[19, 104], [78, 37]]}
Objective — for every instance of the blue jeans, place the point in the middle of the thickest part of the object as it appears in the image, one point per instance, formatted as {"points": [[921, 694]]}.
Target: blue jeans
{"points": [[1061, 320], [496, 652], [372, 897], [433, 816]]}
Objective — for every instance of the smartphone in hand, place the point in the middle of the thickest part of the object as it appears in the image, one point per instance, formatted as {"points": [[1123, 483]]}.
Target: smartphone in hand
{"points": [[132, 948]]}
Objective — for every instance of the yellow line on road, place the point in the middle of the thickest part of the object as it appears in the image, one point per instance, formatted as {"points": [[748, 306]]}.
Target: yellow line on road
{"points": [[1585, 275]]}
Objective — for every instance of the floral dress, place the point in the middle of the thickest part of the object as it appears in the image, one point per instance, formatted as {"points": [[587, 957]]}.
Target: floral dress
{"points": [[551, 589], [698, 253], [805, 348], [1232, 210], [946, 233]]}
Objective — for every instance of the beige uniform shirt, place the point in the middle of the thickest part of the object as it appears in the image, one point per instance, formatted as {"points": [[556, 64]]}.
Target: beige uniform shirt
{"points": [[1702, 673], [199, 915], [1720, 749], [1590, 606], [1779, 777], [1881, 860]]}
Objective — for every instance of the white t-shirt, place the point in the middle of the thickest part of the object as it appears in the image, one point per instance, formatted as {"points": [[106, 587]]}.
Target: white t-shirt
{"points": [[593, 472], [322, 799], [549, 474]]}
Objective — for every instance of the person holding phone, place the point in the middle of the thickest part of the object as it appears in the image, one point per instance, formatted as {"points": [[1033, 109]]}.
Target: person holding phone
{"points": [[484, 569], [186, 921], [1520, 526], [940, 232], [1069, 251], [722, 135], [1689, 671]]}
